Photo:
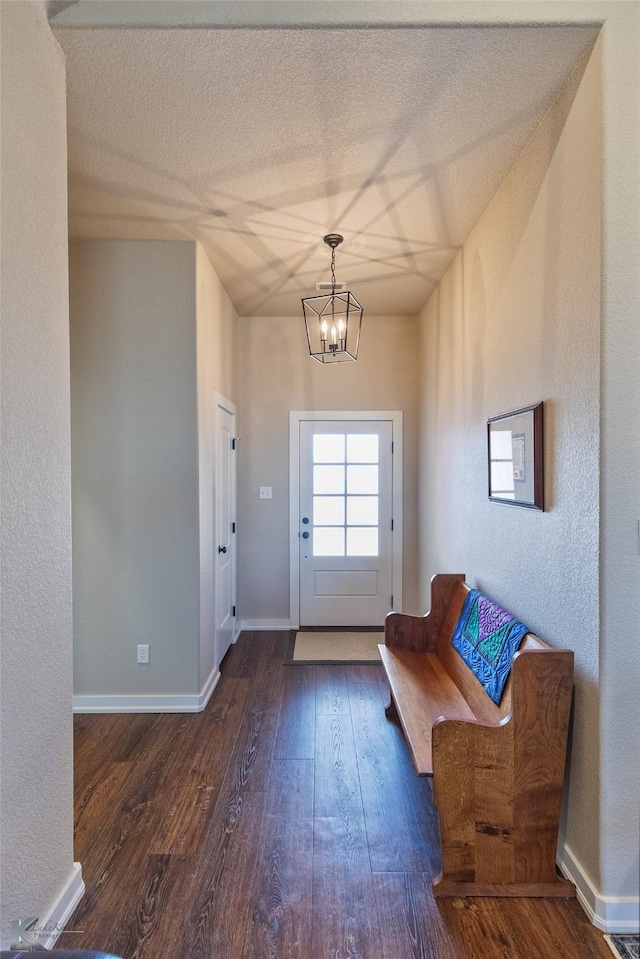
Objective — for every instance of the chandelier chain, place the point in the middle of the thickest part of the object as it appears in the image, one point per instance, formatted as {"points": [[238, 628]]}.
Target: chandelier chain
{"points": [[333, 270]]}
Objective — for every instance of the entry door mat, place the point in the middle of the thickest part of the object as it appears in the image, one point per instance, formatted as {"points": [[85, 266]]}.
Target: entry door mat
{"points": [[625, 947], [321, 647]]}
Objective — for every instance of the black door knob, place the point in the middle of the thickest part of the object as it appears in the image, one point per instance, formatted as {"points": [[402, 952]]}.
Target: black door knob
{"points": [[222, 549], [305, 535]]}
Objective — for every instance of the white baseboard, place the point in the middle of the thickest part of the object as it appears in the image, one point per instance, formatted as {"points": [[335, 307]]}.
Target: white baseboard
{"points": [[236, 635], [63, 908], [264, 624], [148, 704], [611, 914], [212, 681]]}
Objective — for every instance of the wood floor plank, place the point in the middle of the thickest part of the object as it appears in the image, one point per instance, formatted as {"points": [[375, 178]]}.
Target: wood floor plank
{"points": [[131, 937], [413, 928], [191, 784], [345, 918], [279, 854], [218, 915], [138, 804], [245, 660], [337, 779], [419, 787], [511, 928], [568, 930], [98, 803], [144, 916], [332, 698], [119, 735], [116, 840], [280, 919], [366, 672], [345, 922], [296, 723], [393, 835]]}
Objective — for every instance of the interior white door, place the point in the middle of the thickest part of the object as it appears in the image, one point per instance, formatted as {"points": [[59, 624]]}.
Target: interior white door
{"points": [[225, 527], [345, 531]]}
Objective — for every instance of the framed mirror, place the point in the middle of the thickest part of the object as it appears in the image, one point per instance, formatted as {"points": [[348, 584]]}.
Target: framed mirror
{"points": [[515, 458]]}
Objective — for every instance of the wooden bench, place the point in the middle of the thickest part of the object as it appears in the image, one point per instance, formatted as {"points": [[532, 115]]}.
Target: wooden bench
{"points": [[497, 770]]}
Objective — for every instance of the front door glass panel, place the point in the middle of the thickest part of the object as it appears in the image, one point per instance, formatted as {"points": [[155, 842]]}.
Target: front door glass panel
{"points": [[345, 494]]}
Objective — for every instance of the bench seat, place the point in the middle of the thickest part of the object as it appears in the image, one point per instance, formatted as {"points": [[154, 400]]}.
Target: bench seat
{"points": [[497, 770], [423, 692]]}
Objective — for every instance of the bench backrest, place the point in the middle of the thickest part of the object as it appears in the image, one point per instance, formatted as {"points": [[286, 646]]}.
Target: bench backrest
{"points": [[469, 685]]}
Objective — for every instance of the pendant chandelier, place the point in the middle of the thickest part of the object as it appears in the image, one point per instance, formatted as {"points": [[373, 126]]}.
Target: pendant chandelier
{"points": [[333, 320]]}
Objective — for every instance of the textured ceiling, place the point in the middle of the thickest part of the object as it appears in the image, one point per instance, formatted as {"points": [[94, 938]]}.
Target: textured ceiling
{"points": [[258, 142]]}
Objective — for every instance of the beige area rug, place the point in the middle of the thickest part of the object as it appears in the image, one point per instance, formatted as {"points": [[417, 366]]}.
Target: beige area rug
{"points": [[334, 646]]}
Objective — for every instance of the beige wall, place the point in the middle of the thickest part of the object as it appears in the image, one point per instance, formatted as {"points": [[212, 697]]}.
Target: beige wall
{"points": [[33, 99], [36, 806], [135, 466], [517, 320], [277, 375], [153, 334], [217, 351], [620, 457]]}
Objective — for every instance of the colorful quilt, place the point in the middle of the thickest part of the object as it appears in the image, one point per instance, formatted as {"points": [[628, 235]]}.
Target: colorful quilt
{"points": [[487, 637]]}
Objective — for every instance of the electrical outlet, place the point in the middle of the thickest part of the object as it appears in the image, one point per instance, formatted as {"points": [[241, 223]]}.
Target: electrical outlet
{"points": [[266, 492], [143, 652]]}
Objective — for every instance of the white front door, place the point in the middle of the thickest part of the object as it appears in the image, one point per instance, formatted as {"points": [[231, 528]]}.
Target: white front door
{"points": [[225, 525], [345, 522]]}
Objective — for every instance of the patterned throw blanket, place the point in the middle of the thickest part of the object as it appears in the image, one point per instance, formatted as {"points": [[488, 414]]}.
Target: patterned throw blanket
{"points": [[487, 637]]}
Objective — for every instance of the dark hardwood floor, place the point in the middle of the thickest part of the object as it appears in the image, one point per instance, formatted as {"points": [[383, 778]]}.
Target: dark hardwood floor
{"points": [[283, 822]]}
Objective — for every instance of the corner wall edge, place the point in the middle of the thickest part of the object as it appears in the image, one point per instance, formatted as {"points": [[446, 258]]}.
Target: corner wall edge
{"points": [[611, 914]]}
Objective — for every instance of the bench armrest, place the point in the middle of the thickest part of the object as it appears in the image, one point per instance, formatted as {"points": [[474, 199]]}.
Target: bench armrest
{"points": [[420, 633], [498, 786]]}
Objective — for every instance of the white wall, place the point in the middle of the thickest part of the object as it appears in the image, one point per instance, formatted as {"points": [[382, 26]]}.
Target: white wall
{"points": [[278, 375], [217, 358], [517, 319], [37, 773], [135, 467]]}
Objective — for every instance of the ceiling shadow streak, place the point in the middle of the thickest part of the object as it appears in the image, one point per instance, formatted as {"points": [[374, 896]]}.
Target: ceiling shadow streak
{"points": [[212, 214]]}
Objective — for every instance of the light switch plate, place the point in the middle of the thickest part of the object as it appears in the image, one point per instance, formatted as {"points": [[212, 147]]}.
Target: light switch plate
{"points": [[266, 492]]}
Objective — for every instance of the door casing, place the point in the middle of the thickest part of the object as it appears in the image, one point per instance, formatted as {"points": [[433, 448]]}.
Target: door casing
{"points": [[295, 417]]}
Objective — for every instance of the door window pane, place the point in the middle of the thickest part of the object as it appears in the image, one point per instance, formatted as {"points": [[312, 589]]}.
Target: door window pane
{"points": [[362, 479], [328, 479], [362, 448], [328, 541], [328, 447], [362, 541], [362, 510], [328, 510]]}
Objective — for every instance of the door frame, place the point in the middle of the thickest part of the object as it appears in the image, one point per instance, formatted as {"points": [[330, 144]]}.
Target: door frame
{"points": [[396, 417], [221, 402]]}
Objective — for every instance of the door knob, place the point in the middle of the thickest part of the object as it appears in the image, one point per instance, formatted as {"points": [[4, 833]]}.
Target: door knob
{"points": [[222, 549], [305, 520], [305, 535]]}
